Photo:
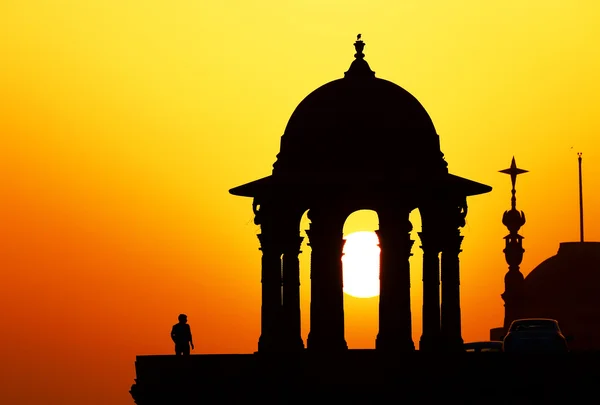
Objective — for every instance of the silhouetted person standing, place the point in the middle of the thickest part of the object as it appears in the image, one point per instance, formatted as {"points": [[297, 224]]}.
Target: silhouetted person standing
{"points": [[182, 336]]}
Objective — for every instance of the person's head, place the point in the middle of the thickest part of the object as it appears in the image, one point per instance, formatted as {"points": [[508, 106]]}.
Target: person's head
{"points": [[182, 318]]}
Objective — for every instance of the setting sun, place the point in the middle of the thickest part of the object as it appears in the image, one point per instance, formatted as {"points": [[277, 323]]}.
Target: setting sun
{"points": [[361, 264]]}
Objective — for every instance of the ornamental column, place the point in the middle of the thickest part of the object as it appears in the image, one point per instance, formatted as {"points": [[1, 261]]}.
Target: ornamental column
{"points": [[450, 309], [327, 297], [513, 252], [270, 328], [430, 243], [291, 293], [395, 323]]}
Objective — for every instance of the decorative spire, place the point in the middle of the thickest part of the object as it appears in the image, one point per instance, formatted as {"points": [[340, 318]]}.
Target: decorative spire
{"points": [[513, 252], [514, 171], [359, 67]]}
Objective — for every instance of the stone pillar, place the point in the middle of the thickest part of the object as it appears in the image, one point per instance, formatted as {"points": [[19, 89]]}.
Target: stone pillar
{"points": [[291, 294], [430, 338], [271, 308], [513, 297], [513, 280], [270, 336], [327, 297], [395, 323], [451, 319]]}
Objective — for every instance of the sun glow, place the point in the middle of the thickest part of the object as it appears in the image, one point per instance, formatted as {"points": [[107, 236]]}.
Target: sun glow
{"points": [[361, 264]]}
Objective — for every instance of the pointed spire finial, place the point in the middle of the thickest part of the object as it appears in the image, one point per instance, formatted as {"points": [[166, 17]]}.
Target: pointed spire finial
{"points": [[514, 171]]}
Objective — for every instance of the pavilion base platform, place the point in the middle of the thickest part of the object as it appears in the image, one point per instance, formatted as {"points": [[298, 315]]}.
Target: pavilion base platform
{"points": [[367, 377]]}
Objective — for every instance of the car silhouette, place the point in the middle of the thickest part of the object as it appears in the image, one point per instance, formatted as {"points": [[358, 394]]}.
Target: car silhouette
{"points": [[534, 335]]}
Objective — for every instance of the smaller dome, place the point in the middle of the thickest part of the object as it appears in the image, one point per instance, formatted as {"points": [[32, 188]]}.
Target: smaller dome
{"points": [[566, 287], [575, 265]]}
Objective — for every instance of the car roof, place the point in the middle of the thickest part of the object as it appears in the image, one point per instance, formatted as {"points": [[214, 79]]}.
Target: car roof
{"points": [[533, 320], [533, 325]]}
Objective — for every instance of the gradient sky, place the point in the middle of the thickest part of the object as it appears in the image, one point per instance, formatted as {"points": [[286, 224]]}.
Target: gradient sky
{"points": [[123, 123]]}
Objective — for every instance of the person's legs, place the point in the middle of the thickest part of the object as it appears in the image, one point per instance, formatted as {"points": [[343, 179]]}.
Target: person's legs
{"points": [[182, 349], [185, 350]]}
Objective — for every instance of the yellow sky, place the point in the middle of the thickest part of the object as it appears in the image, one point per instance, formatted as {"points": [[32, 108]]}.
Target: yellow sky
{"points": [[123, 123]]}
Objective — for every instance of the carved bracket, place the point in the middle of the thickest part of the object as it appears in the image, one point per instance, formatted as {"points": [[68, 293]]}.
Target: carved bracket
{"points": [[257, 211]]}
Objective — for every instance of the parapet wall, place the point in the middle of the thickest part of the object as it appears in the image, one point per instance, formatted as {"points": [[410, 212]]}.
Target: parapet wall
{"points": [[366, 377]]}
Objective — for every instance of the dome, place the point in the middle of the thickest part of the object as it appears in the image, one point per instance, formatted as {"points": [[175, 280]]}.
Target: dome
{"points": [[566, 287], [576, 268], [362, 124], [359, 131], [369, 103], [359, 124]]}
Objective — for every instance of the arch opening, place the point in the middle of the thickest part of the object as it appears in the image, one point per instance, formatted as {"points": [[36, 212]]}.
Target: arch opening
{"points": [[305, 289], [416, 277], [360, 264]]}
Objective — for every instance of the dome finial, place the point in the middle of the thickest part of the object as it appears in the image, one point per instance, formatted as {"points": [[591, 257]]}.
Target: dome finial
{"points": [[359, 45], [359, 67]]}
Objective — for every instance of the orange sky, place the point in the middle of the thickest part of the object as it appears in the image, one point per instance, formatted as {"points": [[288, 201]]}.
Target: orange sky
{"points": [[124, 123]]}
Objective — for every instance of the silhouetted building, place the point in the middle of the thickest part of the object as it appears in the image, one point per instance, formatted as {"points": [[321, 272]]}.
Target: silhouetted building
{"points": [[355, 143], [565, 287]]}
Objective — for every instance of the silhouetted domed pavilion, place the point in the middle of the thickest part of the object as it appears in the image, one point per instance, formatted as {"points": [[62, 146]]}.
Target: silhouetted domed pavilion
{"points": [[355, 143], [359, 142]]}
